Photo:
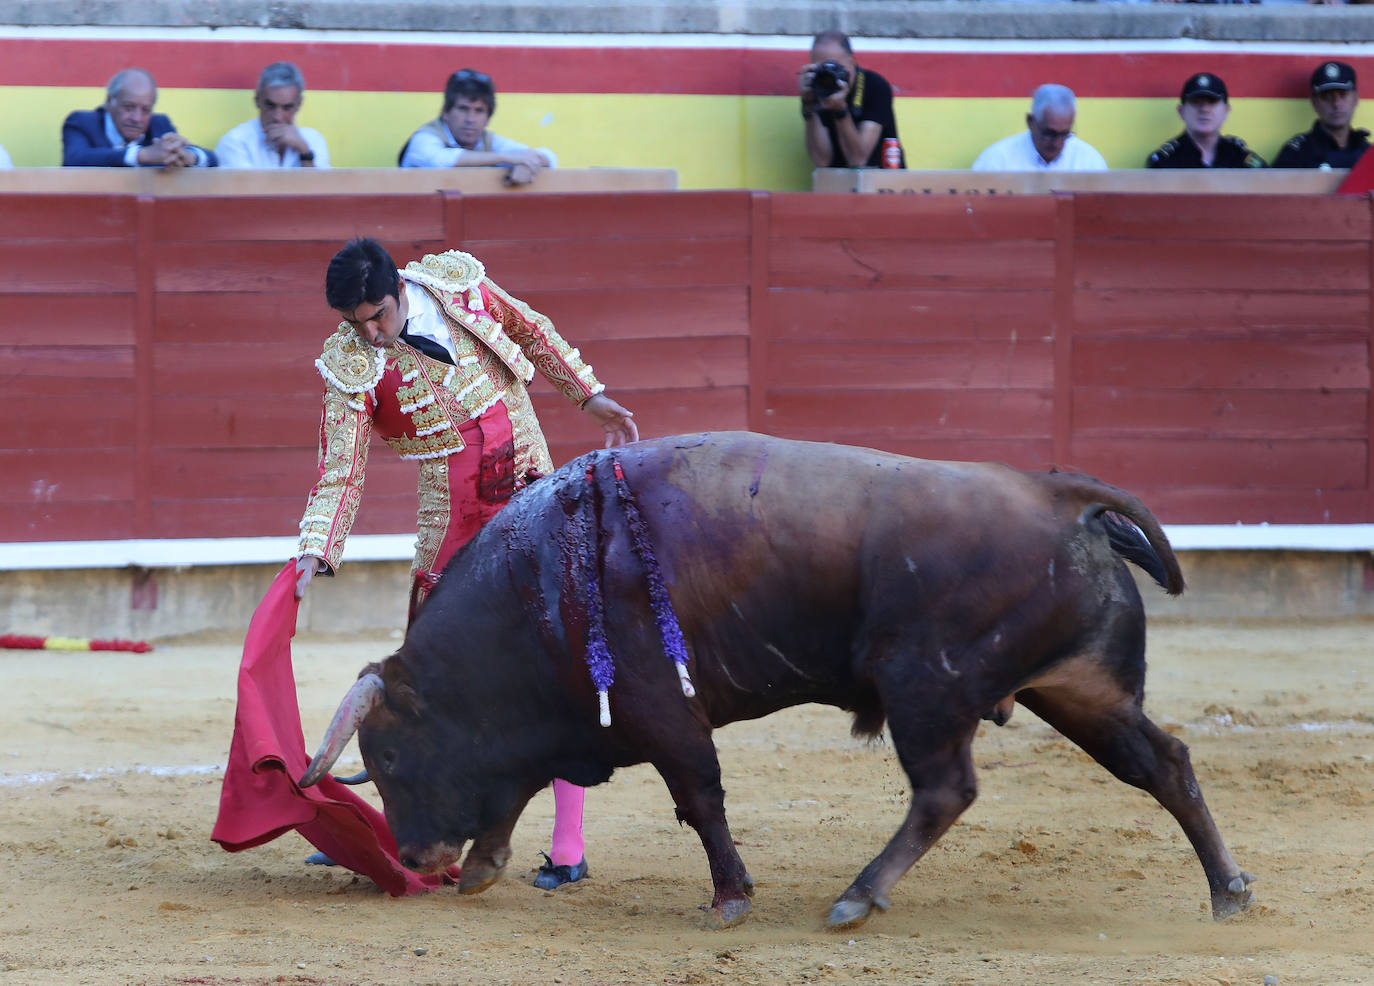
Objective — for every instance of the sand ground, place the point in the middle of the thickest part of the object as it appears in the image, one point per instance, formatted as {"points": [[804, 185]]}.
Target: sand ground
{"points": [[110, 766]]}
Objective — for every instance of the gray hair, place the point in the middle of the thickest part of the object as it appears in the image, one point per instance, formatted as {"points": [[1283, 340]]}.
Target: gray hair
{"points": [[281, 74], [1054, 99], [121, 78]]}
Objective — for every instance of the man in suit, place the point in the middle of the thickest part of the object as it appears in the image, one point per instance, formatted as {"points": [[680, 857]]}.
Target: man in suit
{"points": [[126, 133]]}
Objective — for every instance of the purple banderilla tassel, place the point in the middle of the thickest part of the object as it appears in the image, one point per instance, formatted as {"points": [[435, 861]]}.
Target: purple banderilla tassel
{"points": [[599, 661], [673, 644]]}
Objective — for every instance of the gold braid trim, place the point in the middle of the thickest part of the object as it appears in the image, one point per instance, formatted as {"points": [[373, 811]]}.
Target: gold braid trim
{"points": [[349, 363], [434, 513], [333, 503], [551, 355]]}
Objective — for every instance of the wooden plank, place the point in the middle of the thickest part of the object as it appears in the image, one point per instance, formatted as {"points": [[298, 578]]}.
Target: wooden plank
{"points": [[657, 412], [258, 266], [234, 420], [949, 414], [66, 217], [1224, 217], [107, 520], [1223, 265], [1191, 364], [1065, 263], [1125, 412], [1229, 505], [628, 215], [231, 368], [931, 315], [144, 307], [759, 375], [899, 264], [55, 267], [334, 219], [1267, 463], [594, 264], [952, 217], [898, 365], [69, 320], [1161, 309], [75, 420], [656, 364], [644, 313], [29, 480], [270, 472], [272, 516], [299, 317], [52, 372]]}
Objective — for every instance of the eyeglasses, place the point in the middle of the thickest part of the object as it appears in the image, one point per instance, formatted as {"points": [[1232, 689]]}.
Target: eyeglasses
{"points": [[471, 75], [1048, 134]]}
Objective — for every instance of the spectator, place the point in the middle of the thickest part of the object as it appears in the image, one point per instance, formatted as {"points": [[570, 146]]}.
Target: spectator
{"points": [[847, 109], [1204, 106], [1331, 143], [1048, 144], [459, 138], [125, 132], [273, 140], [5, 162]]}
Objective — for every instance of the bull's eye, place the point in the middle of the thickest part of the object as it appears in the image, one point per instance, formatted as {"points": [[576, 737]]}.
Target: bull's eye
{"points": [[388, 760]]}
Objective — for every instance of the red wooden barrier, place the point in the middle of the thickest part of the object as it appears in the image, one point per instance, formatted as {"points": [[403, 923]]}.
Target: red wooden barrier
{"points": [[1212, 354]]}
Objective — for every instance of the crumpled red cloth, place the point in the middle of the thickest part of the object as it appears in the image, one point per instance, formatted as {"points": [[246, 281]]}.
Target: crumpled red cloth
{"points": [[260, 799]]}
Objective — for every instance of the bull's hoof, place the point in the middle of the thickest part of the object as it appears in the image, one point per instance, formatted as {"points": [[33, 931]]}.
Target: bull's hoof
{"points": [[728, 913], [1234, 899], [477, 877], [847, 913]]}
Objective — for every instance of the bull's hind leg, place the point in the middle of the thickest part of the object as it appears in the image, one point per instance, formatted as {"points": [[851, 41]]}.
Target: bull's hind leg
{"points": [[1095, 712], [940, 766], [693, 778]]}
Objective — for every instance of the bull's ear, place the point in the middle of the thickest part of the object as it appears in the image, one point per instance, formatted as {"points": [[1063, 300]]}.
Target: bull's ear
{"points": [[402, 695]]}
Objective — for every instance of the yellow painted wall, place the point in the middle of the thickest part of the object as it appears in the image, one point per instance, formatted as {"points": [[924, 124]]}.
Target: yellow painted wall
{"points": [[712, 141]]}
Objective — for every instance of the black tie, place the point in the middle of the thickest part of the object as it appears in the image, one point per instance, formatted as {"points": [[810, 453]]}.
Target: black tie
{"points": [[425, 345]]}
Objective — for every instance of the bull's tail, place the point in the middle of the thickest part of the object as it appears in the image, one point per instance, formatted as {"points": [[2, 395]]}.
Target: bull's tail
{"points": [[1141, 542]]}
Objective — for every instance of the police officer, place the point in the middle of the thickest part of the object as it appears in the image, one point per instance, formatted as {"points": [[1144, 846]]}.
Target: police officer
{"points": [[1203, 106], [1332, 142]]}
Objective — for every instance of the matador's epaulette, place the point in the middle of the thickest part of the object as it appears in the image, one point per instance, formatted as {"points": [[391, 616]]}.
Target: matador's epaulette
{"points": [[349, 363]]}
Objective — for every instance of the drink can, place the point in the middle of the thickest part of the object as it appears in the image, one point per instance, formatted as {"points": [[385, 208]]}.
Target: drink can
{"points": [[892, 152]]}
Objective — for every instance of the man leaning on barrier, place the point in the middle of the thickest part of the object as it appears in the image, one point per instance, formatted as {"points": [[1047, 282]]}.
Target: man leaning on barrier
{"points": [[1332, 142], [1048, 143], [272, 139], [126, 133], [459, 138], [847, 109]]}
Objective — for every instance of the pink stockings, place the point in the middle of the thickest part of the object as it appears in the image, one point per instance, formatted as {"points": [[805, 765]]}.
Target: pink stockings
{"points": [[568, 846]]}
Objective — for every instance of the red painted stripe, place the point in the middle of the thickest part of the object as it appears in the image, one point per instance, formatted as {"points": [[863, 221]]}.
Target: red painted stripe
{"points": [[388, 67]]}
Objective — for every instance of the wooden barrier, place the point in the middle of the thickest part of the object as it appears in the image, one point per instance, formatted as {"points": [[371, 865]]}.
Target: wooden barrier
{"points": [[205, 182], [1202, 181], [1210, 353]]}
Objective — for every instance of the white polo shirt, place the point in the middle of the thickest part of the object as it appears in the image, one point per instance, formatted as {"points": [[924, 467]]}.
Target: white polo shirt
{"points": [[1018, 153]]}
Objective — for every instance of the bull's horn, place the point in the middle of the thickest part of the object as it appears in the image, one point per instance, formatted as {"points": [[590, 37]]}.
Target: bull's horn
{"points": [[359, 778], [361, 699]]}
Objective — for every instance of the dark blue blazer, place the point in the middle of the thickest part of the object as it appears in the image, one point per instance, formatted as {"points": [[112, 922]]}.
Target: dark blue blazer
{"points": [[84, 144]]}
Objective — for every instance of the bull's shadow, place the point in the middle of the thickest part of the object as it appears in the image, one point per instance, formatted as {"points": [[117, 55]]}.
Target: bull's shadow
{"points": [[927, 595]]}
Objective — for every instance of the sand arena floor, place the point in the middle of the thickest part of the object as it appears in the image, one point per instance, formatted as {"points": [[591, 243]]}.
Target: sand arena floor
{"points": [[109, 779]]}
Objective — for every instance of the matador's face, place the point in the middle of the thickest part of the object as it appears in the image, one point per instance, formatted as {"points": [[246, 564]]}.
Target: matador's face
{"points": [[380, 323]]}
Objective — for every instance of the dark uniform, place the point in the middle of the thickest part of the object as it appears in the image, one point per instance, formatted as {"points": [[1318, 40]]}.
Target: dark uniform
{"points": [[870, 98], [1183, 152], [1316, 149]]}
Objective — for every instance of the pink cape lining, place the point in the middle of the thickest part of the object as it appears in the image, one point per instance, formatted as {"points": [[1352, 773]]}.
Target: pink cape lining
{"points": [[260, 798]]}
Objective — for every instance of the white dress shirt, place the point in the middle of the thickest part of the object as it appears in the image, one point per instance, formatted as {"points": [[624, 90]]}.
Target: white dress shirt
{"points": [[5, 162], [246, 146], [427, 150], [1018, 153], [423, 318]]}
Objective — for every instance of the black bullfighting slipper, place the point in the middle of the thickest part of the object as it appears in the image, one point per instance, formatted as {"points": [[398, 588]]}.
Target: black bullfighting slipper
{"points": [[551, 877]]}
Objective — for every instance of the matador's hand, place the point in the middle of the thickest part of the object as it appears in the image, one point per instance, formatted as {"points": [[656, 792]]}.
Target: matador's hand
{"points": [[617, 422], [307, 567]]}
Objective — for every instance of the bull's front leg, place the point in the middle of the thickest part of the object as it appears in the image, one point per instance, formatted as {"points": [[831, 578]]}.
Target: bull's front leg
{"points": [[490, 852], [700, 801]]}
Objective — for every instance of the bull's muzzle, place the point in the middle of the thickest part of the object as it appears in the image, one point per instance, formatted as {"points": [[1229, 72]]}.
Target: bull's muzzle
{"points": [[365, 695]]}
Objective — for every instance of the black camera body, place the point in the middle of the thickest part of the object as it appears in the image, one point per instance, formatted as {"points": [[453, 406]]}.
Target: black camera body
{"points": [[828, 78]]}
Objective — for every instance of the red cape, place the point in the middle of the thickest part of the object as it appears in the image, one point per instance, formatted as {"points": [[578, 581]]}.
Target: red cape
{"points": [[260, 799]]}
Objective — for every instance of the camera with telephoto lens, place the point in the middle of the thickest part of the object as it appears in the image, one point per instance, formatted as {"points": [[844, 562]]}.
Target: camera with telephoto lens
{"points": [[828, 78]]}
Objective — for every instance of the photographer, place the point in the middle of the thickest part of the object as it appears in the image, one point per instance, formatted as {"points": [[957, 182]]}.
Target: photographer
{"points": [[848, 110]]}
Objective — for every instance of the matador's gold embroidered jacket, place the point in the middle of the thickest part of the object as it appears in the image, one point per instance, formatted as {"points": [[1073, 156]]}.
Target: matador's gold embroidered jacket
{"points": [[417, 404]]}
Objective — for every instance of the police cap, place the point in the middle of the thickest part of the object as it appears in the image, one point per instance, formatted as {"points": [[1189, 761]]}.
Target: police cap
{"points": [[1333, 75], [1203, 84]]}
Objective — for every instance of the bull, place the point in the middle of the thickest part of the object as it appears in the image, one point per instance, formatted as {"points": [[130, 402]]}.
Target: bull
{"points": [[923, 595]]}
